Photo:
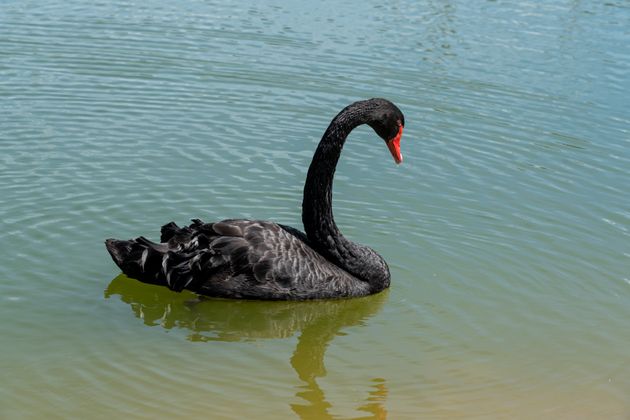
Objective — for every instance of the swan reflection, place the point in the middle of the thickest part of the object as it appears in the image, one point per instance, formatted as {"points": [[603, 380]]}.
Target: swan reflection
{"points": [[317, 322]]}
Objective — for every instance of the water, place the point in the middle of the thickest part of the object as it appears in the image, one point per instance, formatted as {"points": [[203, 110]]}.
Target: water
{"points": [[507, 228]]}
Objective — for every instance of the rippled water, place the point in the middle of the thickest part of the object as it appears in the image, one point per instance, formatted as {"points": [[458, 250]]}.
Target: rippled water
{"points": [[507, 229]]}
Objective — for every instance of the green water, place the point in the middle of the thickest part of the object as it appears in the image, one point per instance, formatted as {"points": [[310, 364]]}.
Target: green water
{"points": [[507, 229]]}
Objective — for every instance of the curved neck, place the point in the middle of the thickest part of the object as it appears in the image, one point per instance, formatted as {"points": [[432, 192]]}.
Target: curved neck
{"points": [[317, 216]]}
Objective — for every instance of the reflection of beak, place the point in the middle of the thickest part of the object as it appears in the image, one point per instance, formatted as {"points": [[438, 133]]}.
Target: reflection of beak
{"points": [[394, 146]]}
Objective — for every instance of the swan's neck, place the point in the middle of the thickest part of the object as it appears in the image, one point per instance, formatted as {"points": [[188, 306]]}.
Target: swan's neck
{"points": [[317, 216]]}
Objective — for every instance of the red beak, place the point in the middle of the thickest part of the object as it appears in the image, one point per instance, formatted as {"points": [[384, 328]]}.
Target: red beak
{"points": [[394, 146]]}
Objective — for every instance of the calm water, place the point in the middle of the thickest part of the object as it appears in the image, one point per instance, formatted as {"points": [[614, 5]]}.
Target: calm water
{"points": [[507, 228]]}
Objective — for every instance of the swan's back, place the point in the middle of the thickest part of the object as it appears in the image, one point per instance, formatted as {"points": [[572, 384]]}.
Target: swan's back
{"points": [[235, 259]]}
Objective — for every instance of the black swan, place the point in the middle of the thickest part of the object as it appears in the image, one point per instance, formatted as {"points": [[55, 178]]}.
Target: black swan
{"points": [[252, 259]]}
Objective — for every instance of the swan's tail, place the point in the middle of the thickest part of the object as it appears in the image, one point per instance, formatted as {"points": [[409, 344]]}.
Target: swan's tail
{"points": [[139, 258], [174, 263]]}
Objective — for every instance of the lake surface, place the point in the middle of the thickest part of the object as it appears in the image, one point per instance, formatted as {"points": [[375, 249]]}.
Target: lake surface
{"points": [[507, 229]]}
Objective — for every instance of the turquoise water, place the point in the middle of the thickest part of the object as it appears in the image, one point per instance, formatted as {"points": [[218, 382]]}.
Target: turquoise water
{"points": [[507, 229]]}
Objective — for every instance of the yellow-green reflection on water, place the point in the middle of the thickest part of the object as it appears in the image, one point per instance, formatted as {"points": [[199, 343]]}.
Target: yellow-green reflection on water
{"points": [[316, 322]]}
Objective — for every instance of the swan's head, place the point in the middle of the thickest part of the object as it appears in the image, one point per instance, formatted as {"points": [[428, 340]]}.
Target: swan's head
{"points": [[388, 122]]}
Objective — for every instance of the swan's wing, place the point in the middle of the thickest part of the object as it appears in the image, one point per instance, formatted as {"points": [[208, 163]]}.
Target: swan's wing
{"points": [[267, 259], [232, 258]]}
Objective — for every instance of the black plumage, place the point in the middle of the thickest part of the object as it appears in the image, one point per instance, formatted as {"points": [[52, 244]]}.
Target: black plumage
{"points": [[253, 259]]}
